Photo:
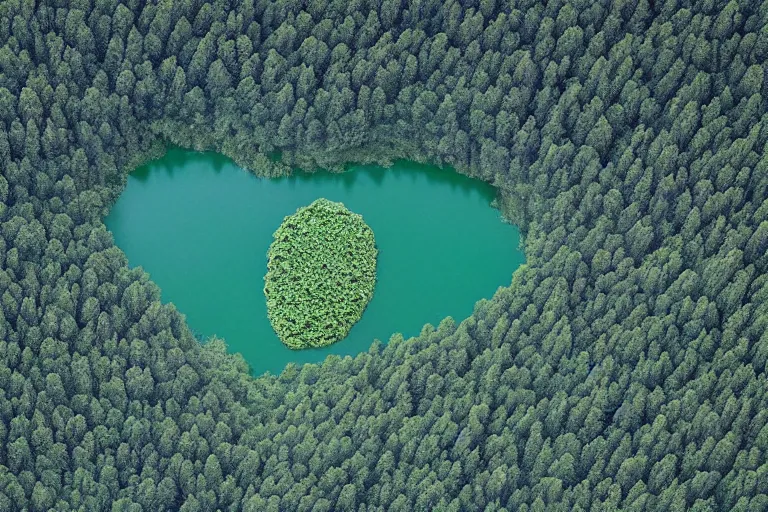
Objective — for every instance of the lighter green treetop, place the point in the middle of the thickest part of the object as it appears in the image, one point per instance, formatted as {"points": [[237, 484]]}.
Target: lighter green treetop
{"points": [[321, 272]]}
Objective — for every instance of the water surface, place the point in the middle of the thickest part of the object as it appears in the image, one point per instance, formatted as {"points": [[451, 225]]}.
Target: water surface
{"points": [[201, 227]]}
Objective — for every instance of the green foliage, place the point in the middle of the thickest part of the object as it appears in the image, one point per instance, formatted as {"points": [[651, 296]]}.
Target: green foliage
{"points": [[321, 274], [623, 367]]}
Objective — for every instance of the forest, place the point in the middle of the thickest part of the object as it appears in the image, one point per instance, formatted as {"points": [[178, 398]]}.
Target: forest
{"points": [[622, 368]]}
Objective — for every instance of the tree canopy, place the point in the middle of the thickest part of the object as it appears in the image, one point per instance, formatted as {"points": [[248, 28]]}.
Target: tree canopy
{"points": [[623, 367], [321, 274]]}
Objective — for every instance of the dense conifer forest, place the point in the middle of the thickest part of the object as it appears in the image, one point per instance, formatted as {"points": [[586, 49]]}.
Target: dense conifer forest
{"points": [[624, 367]]}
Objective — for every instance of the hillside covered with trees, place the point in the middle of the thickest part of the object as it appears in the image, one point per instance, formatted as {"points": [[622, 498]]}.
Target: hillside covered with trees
{"points": [[624, 367]]}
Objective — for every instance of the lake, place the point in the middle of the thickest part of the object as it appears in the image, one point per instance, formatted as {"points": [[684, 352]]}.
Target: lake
{"points": [[201, 227]]}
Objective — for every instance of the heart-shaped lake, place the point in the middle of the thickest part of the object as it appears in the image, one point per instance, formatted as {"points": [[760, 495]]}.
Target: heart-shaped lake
{"points": [[201, 227]]}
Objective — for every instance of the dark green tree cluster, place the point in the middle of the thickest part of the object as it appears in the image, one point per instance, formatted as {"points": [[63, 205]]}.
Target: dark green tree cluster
{"points": [[321, 271], [625, 367]]}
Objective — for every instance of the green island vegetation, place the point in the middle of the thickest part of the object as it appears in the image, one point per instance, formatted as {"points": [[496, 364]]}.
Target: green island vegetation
{"points": [[624, 367], [320, 274]]}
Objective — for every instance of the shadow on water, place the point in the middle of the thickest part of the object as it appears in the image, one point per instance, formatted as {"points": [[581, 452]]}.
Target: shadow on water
{"points": [[203, 237], [141, 174], [178, 159]]}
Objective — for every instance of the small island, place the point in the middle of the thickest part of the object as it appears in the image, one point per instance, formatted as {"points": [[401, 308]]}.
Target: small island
{"points": [[321, 272]]}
